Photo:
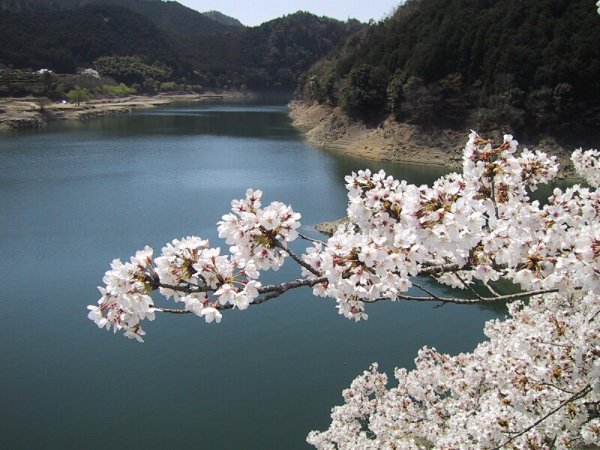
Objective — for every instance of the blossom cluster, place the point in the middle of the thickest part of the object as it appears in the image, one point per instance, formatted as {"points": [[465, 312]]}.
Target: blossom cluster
{"points": [[586, 163], [543, 361], [482, 221], [259, 233], [190, 271], [533, 362], [359, 267], [125, 300], [191, 263]]}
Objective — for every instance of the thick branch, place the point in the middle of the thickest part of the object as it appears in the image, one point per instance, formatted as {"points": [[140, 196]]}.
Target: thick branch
{"points": [[268, 292], [427, 291], [434, 270], [272, 291], [154, 281], [469, 287], [189, 289]]}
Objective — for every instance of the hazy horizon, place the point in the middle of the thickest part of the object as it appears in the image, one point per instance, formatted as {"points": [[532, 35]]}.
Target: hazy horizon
{"points": [[250, 14]]}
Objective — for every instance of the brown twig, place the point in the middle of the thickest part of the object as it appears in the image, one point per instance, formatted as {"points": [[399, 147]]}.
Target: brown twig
{"points": [[298, 259]]}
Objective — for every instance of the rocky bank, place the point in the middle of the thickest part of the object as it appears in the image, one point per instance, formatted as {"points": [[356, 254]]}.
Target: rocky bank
{"points": [[329, 128]]}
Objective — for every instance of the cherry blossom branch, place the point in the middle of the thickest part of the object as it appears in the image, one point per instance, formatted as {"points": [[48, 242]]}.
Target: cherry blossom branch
{"points": [[308, 238], [439, 269], [469, 287], [465, 301], [491, 289], [188, 289], [269, 292], [274, 291], [297, 259], [434, 296]]}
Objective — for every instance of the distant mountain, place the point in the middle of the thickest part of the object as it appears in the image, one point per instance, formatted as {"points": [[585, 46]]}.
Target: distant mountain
{"points": [[223, 19], [271, 56], [173, 17], [169, 16], [65, 39]]}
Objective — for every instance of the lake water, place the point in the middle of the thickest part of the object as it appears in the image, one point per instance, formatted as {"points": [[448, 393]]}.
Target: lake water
{"points": [[76, 195]]}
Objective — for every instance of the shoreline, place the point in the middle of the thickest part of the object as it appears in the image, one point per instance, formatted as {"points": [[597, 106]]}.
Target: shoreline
{"points": [[27, 112], [328, 128], [323, 126]]}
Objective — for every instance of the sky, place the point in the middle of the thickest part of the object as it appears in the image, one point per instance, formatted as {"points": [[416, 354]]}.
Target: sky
{"points": [[255, 12]]}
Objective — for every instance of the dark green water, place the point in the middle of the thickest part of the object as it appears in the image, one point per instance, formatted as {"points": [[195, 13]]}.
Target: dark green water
{"points": [[76, 195]]}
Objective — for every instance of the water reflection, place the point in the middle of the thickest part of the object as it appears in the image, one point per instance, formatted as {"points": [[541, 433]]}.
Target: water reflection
{"points": [[242, 122]]}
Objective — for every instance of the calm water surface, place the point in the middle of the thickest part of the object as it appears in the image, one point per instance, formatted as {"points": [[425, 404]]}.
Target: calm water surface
{"points": [[76, 195]]}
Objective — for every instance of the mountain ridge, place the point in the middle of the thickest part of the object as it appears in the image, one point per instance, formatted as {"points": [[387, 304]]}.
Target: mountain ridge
{"points": [[223, 18], [170, 16]]}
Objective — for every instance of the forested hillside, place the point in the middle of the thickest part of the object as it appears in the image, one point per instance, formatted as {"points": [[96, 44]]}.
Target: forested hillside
{"points": [[523, 66], [172, 16], [272, 55], [222, 18], [65, 40]]}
